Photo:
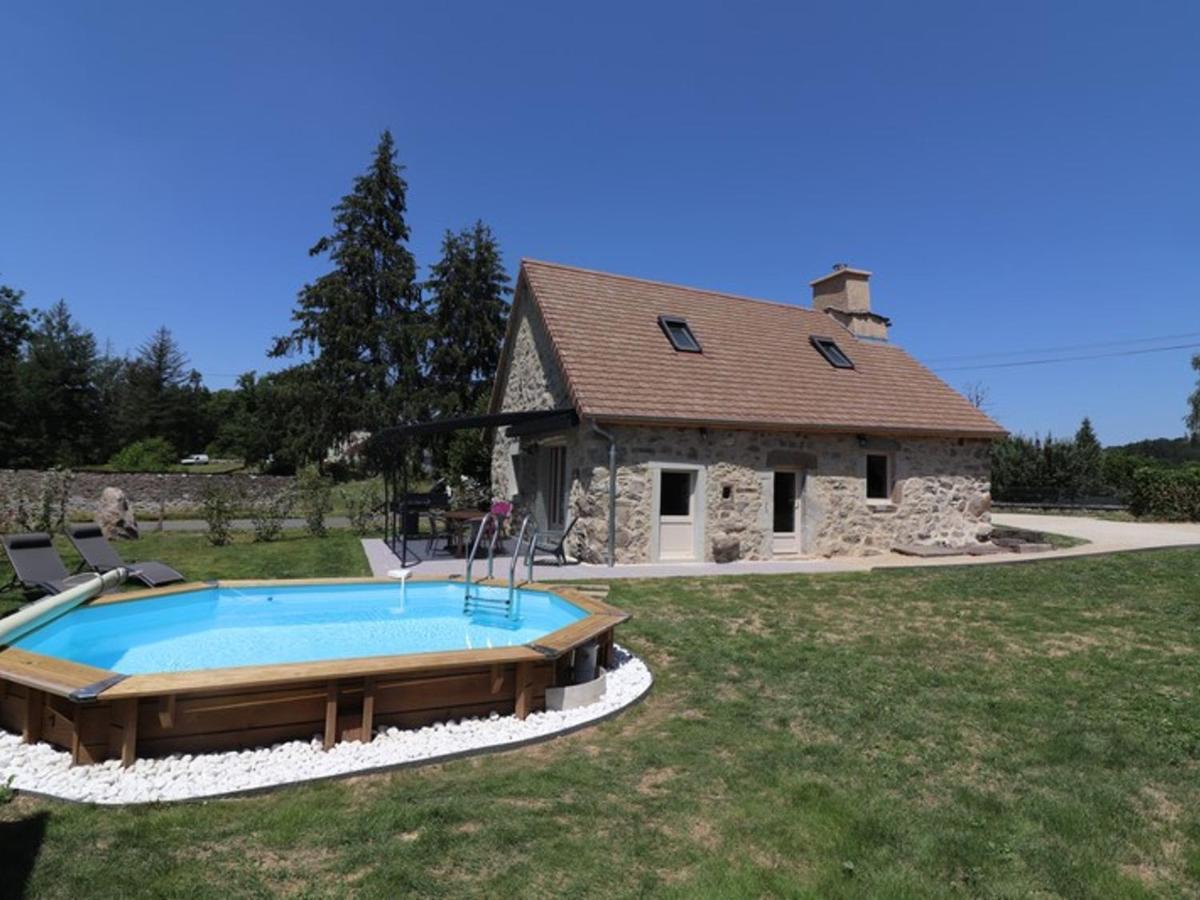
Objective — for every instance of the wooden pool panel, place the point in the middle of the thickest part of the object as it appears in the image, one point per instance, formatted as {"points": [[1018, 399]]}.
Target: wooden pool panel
{"points": [[50, 699]]}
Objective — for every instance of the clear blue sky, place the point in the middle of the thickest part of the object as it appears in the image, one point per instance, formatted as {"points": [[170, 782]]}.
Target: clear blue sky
{"points": [[1018, 175]]}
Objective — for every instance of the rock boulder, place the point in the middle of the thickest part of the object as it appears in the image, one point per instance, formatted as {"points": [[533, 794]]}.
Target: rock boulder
{"points": [[115, 516], [726, 549]]}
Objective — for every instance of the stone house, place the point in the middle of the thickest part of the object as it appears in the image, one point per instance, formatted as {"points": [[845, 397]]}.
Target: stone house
{"points": [[695, 425]]}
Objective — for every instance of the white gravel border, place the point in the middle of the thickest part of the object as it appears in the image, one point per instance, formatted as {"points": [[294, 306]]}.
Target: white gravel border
{"points": [[43, 770]]}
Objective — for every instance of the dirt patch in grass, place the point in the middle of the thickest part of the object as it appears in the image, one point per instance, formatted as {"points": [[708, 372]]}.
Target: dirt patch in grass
{"points": [[1158, 805], [1070, 644], [652, 781], [752, 624]]}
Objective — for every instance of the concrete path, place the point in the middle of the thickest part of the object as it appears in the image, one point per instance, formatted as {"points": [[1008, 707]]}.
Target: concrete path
{"points": [[1106, 536], [1103, 537]]}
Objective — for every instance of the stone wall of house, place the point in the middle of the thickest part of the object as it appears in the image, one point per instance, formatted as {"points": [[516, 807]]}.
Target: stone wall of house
{"points": [[175, 492], [534, 381], [941, 490], [941, 486]]}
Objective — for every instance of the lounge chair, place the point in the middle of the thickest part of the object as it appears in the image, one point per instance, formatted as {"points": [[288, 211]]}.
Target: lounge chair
{"points": [[37, 565], [555, 543], [100, 556]]}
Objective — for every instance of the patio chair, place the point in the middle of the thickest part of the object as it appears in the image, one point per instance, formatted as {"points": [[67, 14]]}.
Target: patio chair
{"points": [[440, 532], [555, 542], [100, 556], [36, 564]]}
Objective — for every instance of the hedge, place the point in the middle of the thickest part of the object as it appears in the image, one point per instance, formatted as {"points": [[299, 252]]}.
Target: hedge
{"points": [[1169, 494]]}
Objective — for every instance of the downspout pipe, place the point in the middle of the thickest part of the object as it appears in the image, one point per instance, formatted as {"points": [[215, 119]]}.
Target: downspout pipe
{"points": [[612, 491]]}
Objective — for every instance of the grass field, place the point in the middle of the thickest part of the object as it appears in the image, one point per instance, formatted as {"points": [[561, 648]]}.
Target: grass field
{"points": [[215, 467], [1000, 731], [295, 555]]}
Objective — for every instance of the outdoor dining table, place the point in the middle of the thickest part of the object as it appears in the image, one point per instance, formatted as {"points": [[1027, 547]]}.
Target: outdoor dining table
{"points": [[460, 521]]}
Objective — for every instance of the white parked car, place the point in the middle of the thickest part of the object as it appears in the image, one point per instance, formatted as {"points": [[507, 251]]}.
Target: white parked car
{"points": [[196, 459]]}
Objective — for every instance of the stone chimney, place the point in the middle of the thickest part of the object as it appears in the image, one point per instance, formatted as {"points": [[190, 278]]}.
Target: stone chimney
{"points": [[845, 295]]}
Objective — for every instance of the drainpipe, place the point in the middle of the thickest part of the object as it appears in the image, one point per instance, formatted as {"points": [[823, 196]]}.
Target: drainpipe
{"points": [[612, 491]]}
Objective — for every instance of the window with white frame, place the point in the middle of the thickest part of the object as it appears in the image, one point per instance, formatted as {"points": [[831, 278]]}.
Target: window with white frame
{"points": [[879, 477]]}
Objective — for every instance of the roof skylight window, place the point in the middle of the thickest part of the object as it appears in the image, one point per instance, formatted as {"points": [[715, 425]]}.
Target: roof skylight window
{"points": [[679, 333], [833, 354]]}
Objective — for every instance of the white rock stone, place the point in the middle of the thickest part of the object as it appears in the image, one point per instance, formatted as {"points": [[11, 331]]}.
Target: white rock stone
{"points": [[41, 768]]}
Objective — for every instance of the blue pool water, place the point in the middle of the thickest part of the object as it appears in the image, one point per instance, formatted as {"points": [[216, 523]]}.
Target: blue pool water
{"points": [[225, 626]]}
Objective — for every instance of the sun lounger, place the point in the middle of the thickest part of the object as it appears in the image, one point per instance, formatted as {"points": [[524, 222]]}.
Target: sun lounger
{"points": [[100, 556], [37, 565]]}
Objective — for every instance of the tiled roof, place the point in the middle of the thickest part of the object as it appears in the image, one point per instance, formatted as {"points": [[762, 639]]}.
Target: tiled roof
{"points": [[757, 367]]}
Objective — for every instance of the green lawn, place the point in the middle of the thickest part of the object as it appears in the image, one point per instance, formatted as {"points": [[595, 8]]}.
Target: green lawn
{"points": [[295, 555], [1003, 731], [215, 467]]}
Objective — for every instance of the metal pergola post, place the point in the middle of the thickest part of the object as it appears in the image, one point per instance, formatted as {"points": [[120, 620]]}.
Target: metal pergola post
{"points": [[391, 447]]}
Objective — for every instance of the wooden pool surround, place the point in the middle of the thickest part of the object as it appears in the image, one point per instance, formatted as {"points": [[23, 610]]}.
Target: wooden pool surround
{"points": [[98, 714]]}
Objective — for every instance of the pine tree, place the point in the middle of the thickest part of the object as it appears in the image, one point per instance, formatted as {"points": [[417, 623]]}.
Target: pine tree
{"points": [[1087, 459], [63, 421], [162, 397], [364, 321], [14, 332], [1193, 417], [468, 289]]}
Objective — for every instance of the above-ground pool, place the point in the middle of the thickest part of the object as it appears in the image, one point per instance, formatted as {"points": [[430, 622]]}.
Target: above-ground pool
{"points": [[219, 627], [241, 664]]}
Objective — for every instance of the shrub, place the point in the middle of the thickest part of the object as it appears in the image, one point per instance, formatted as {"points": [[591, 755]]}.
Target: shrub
{"points": [[316, 499], [467, 493], [362, 505], [269, 514], [218, 514], [9, 521], [149, 455], [1169, 494]]}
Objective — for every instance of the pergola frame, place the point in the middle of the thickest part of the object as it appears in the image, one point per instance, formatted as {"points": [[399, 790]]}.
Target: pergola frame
{"points": [[389, 449]]}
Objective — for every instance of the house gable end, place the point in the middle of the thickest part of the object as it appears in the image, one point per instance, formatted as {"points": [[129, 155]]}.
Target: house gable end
{"points": [[530, 374]]}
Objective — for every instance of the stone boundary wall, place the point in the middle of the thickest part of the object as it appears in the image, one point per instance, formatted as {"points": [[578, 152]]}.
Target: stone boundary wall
{"points": [[145, 490]]}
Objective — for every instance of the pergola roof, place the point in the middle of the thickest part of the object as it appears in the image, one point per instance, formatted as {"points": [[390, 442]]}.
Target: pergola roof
{"points": [[528, 422]]}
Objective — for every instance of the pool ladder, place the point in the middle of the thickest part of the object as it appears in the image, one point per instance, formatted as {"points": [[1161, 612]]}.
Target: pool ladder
{"points": [[474, 601]]}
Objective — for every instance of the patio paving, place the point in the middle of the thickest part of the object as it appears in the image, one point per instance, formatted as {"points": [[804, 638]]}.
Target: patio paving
{"points": [[1103, 536]]}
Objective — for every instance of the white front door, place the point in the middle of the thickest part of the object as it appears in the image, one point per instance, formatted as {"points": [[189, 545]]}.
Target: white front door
{"points": [[785, 513], [676, 514]]}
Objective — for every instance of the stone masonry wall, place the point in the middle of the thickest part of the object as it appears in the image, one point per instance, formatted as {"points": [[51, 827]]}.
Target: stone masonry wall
{"points": [[145, 490], [534, 382], [941, 490]]}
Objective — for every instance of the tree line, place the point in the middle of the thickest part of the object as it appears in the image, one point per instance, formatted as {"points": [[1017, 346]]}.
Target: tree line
{"points": [[373, 346], [1054, 470]]}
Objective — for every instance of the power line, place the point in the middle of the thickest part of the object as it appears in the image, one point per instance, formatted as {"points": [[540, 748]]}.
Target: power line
{"points": [[1062, 359], [1067, 347]]}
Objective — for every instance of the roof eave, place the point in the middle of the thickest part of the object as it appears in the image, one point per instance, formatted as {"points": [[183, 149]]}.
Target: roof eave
{"points": [[995, 433]]}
